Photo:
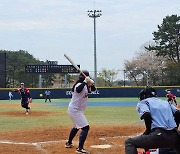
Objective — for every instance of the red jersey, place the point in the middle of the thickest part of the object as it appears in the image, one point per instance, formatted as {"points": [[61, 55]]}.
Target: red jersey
{"points": [[170, 96], [24, 93]]}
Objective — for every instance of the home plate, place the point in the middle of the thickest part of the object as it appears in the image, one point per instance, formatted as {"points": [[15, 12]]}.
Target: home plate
{"points": [[105, 146]]}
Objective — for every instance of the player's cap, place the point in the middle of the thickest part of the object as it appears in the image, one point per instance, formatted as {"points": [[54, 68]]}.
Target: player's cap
{"points": [[22, 83]]}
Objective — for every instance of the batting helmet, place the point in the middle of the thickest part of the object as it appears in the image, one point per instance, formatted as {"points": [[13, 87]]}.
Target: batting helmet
{"points": [[81, 76], [147, 92]]}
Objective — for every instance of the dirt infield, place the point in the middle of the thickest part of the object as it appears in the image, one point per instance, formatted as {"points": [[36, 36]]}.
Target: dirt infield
{"points": [[52, 140], [22, 114]]}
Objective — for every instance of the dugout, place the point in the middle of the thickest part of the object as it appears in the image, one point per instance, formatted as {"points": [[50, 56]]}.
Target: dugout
{"points": [[101, 92]]}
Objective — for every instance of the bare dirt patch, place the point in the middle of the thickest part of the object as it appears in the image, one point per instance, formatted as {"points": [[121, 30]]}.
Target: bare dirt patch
{"points": [[52, 140], [15, 105], [22, 113]]}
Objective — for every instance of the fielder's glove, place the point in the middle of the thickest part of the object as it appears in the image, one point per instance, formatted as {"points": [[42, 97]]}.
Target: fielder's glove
{"points": [[30, 100]]}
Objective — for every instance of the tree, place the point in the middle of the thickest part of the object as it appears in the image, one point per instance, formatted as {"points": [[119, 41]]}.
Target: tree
{"points": [[15, 68], [146, 68], [167, 39], [167, 43], [106, 77], [16, 61], [133, 73]]}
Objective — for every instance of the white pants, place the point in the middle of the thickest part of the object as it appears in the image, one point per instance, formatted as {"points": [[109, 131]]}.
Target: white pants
{"points": [[78, 118]]}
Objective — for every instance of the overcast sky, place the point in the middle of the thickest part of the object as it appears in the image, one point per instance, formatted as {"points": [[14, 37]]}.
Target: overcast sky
{"points": [[48, 29]]}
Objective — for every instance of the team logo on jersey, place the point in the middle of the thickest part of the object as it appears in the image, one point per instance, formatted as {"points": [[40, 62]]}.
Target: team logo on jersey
{"points": [[85, 95]]}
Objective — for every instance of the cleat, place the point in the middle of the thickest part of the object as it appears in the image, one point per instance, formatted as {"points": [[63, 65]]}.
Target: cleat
{"points": [[27, 113], [68, 145], [82, 151]]}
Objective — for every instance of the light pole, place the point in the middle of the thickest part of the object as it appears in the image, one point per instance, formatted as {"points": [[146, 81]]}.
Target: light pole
{"points": [[124, 77], [95, 14]]}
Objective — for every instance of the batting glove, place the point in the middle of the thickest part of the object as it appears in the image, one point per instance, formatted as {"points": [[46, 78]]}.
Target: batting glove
{"points": [[87, 79]]}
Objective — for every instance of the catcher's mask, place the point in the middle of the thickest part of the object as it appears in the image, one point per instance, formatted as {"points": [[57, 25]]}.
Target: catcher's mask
{"points": [[81, 76], [147, 92]]}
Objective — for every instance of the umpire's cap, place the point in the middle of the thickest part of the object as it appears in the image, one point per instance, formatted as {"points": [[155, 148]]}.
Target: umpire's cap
{"points": [[147, 92], [81, 76]]}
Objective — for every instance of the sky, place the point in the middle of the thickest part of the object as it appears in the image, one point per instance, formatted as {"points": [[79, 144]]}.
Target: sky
{"points": [[48, 29]]}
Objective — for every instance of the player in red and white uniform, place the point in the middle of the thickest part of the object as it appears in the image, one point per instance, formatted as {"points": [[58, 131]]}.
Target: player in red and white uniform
{"points": [[171, 97], [76, 110], [25, 97]]}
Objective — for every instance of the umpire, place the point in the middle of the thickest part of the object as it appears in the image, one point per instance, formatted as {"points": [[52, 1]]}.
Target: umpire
{"points": [[161, 120], [47, 95]]}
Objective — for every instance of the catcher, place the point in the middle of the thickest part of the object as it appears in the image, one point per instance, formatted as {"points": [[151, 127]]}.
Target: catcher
{"points": [[25, 97], [161, 120], [76, 110]]}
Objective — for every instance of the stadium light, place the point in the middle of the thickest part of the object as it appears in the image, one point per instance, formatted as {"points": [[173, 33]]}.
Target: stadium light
{"points": [[94, 14]]}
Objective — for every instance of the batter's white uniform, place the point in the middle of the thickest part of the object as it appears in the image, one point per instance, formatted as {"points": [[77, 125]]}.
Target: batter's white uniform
{"points": [[77, 107]]}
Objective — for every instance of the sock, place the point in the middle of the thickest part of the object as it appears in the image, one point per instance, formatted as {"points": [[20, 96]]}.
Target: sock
{"points": [[82, 138], [72, 134]]}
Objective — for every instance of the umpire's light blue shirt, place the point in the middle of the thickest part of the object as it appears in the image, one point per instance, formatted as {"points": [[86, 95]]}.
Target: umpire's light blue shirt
{"points": [[47, 92], [161, 112]]}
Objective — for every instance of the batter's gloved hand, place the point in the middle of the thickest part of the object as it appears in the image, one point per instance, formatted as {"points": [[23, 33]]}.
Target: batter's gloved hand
{"points": [[87, 79], [91, 82]]}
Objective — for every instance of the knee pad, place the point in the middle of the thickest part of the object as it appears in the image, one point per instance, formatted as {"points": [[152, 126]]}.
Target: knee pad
{"points": [[86, 128], [75, 129]]}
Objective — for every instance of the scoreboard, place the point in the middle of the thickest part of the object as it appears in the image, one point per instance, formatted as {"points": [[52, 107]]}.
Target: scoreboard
{"points": [[51, 69]]}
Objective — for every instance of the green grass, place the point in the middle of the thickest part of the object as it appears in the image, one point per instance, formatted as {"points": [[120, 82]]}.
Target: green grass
{"points": [[122, 99], [113, 99], [111, 115], [96, 115]]}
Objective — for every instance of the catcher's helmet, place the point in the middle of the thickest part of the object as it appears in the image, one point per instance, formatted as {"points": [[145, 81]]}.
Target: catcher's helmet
{"points": [[147, 92], [81, 76]]}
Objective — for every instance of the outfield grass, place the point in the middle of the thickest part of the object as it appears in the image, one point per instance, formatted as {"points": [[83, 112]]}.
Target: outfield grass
{"points": [[122, 99], [57, 115]]}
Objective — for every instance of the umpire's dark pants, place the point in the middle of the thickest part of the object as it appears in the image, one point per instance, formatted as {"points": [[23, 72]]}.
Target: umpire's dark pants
{"points": [[47, 97], [158, 138]]}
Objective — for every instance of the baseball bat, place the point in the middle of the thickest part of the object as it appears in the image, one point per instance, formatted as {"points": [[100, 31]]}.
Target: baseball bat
{"points": [[72, 62]]}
